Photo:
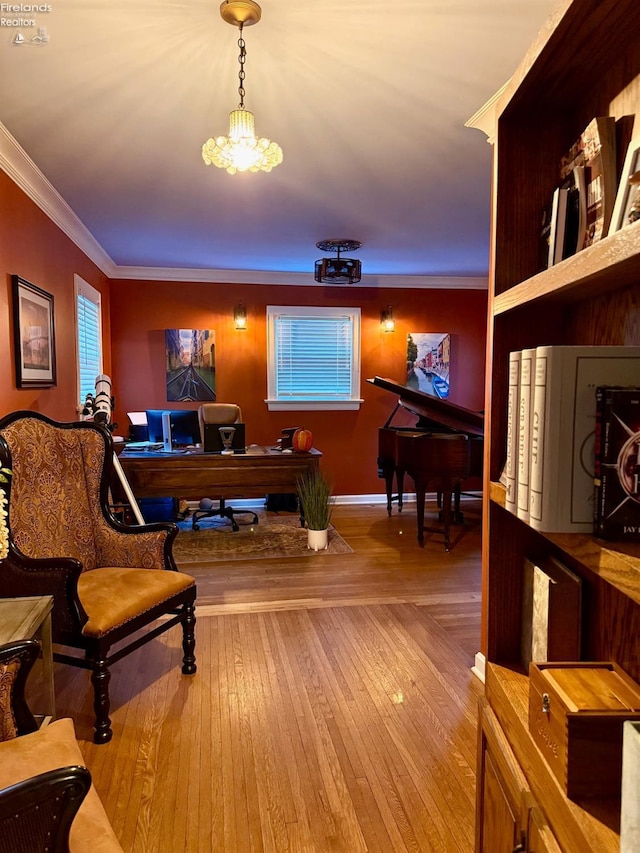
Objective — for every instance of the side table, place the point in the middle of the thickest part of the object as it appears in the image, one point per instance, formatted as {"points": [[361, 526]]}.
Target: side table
{"points": [[30, 618]]}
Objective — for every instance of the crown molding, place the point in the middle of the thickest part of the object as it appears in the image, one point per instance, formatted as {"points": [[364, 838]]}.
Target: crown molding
{"points": [[486, 118], [23, 171], [297, 279]]}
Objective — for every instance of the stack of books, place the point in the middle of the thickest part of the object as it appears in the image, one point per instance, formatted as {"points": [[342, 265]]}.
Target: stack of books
{"points": [[581, 206], [551, 453]]}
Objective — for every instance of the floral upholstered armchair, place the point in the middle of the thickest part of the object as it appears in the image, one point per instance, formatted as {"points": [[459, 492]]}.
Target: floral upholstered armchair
{"points": [[108, 580]]}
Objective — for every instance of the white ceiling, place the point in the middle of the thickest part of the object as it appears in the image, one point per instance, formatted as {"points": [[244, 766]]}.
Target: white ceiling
{"points": [[367, 98]]}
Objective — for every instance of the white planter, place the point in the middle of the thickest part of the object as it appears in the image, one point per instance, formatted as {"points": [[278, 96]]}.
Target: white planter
{"points": [[317, 540]]}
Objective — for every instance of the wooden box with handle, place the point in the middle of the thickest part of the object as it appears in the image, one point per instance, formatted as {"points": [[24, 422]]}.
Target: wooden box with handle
{"points": [[576, 714]]}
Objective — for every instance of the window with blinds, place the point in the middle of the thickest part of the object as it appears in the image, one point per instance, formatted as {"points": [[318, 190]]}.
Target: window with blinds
{"points": [[89, 337], [314, 357]]}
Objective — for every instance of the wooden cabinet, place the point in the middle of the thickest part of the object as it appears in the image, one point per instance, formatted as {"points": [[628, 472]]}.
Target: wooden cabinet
{"points": [[501, 789], [585, 63]]}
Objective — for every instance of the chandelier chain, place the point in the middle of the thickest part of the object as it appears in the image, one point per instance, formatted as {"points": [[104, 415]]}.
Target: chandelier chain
{"points": [[241, 73]]}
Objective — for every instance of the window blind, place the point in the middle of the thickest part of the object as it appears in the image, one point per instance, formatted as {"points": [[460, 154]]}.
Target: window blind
{"points": [[89, 344], [314, 357]]}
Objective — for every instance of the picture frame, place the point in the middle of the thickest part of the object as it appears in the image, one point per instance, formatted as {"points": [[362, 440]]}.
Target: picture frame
{"points": [[627, 206], [34, 335]]}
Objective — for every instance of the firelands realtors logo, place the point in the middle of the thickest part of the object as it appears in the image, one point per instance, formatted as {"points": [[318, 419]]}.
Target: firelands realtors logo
{"points": [[21, 18]]}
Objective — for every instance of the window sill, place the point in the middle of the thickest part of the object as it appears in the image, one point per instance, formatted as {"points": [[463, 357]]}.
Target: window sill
{"points": [[320, 406]]}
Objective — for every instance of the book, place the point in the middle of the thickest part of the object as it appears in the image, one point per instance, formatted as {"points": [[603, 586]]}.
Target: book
{"points": [[595, 152], [551, 612], [511, 468], [525, 405], [563, 221], [576, 218], [563, 430], [545, 236], [617, 468], [557, 225]]}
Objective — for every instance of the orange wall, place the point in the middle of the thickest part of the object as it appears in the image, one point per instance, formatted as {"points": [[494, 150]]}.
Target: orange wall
{"points": [[32, 247], [135, 315], [141, 311]]}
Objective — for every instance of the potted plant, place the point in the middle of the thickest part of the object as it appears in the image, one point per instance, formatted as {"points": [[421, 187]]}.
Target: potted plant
{"points": [[314, 491]]}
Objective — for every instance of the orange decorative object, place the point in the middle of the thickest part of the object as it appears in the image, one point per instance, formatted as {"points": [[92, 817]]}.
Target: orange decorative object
{"points": [[302, 440]]}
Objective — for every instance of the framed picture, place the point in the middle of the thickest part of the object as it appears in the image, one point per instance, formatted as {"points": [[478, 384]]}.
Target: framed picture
{"points": [[34, 335], [626, 210]]}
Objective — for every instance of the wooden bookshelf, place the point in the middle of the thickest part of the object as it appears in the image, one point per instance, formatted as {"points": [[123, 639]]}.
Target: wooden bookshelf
{"points": [[584, 63]]}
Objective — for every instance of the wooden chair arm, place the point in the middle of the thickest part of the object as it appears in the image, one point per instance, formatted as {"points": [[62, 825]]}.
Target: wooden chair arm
{"points": [[36, 814], [24, 653], [23, 576]]}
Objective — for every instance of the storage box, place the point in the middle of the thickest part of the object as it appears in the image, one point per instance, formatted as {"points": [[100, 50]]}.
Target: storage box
{"points": [[576, 714]]}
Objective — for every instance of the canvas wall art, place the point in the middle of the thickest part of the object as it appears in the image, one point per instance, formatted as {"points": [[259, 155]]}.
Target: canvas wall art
{"points": [[428, 362], [190, 365]]}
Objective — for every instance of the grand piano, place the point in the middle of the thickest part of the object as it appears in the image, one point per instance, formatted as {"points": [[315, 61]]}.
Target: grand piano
{"points": [[443, 449]]}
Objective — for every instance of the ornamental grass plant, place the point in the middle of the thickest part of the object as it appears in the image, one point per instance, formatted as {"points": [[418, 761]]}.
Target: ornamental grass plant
{"points": [[314, 491]]}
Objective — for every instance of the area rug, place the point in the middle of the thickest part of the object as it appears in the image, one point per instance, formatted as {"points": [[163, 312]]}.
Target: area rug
{"points": [[275, 536]]}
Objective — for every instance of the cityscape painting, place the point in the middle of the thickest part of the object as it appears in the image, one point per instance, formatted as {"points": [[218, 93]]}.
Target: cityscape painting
{"points": [[428, 359], [190, 365]]}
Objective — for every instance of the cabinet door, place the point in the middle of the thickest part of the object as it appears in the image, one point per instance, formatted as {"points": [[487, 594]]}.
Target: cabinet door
{"points": [[500, 823], [502, 789]]}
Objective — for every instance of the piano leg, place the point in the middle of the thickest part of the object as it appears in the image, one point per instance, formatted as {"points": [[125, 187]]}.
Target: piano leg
{"points": [[420, 492], [445, 514], [400, 479], [388, 481]]}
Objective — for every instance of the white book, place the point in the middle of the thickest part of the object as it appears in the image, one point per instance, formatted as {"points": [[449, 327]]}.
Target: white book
{"points": [[525, 404], [511, 468], [563, 428]]}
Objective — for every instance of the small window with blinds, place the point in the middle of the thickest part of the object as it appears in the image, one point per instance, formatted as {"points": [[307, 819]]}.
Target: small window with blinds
{"points": [[89, 337], [313, 358]]}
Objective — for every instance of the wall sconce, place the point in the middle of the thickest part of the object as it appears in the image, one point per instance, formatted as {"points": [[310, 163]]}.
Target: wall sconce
{"points": [[386, 319], [240, 316]]}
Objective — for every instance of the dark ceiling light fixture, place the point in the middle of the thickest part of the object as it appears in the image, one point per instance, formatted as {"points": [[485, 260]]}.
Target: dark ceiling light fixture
{"points": [[338, 270]]}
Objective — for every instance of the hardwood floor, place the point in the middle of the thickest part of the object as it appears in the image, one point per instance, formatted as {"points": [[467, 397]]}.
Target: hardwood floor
{"points": [[333, 709]]}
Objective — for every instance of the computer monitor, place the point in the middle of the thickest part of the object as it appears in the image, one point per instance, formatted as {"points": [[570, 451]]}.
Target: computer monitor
{"points": [[185, 427]]}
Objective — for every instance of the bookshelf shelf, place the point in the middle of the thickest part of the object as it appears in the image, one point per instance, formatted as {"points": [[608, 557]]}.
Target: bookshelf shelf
{"points": [[585, 63], [611, 264]]}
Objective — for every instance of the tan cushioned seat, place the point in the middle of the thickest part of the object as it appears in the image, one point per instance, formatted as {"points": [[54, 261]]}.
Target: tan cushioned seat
{"points": [[47, 749], [112, 596]]}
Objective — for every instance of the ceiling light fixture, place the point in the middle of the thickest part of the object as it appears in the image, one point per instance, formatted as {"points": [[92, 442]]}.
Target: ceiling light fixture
{"points": [[338, 270], [241, 151]]}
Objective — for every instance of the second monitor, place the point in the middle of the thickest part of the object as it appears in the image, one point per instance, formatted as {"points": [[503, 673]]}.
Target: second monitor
{"points": [[183, 423]]}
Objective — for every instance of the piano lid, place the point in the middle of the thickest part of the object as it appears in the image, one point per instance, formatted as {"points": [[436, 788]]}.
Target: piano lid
{"points": [[433, 408]]}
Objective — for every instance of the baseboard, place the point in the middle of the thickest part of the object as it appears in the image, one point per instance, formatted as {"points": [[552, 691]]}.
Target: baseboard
{"points": [[347, 500], [479, 666]]}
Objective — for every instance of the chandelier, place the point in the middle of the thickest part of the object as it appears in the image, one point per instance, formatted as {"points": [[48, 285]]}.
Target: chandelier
{"points": [[241, 150], [347, 270]]}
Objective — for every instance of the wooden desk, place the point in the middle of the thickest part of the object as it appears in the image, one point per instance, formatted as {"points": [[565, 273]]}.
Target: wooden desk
{"points": [[25, 619], [258, 472]]}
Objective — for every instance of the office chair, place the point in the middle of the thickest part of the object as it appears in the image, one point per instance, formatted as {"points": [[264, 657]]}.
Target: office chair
{"points": [[221, 414]]}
